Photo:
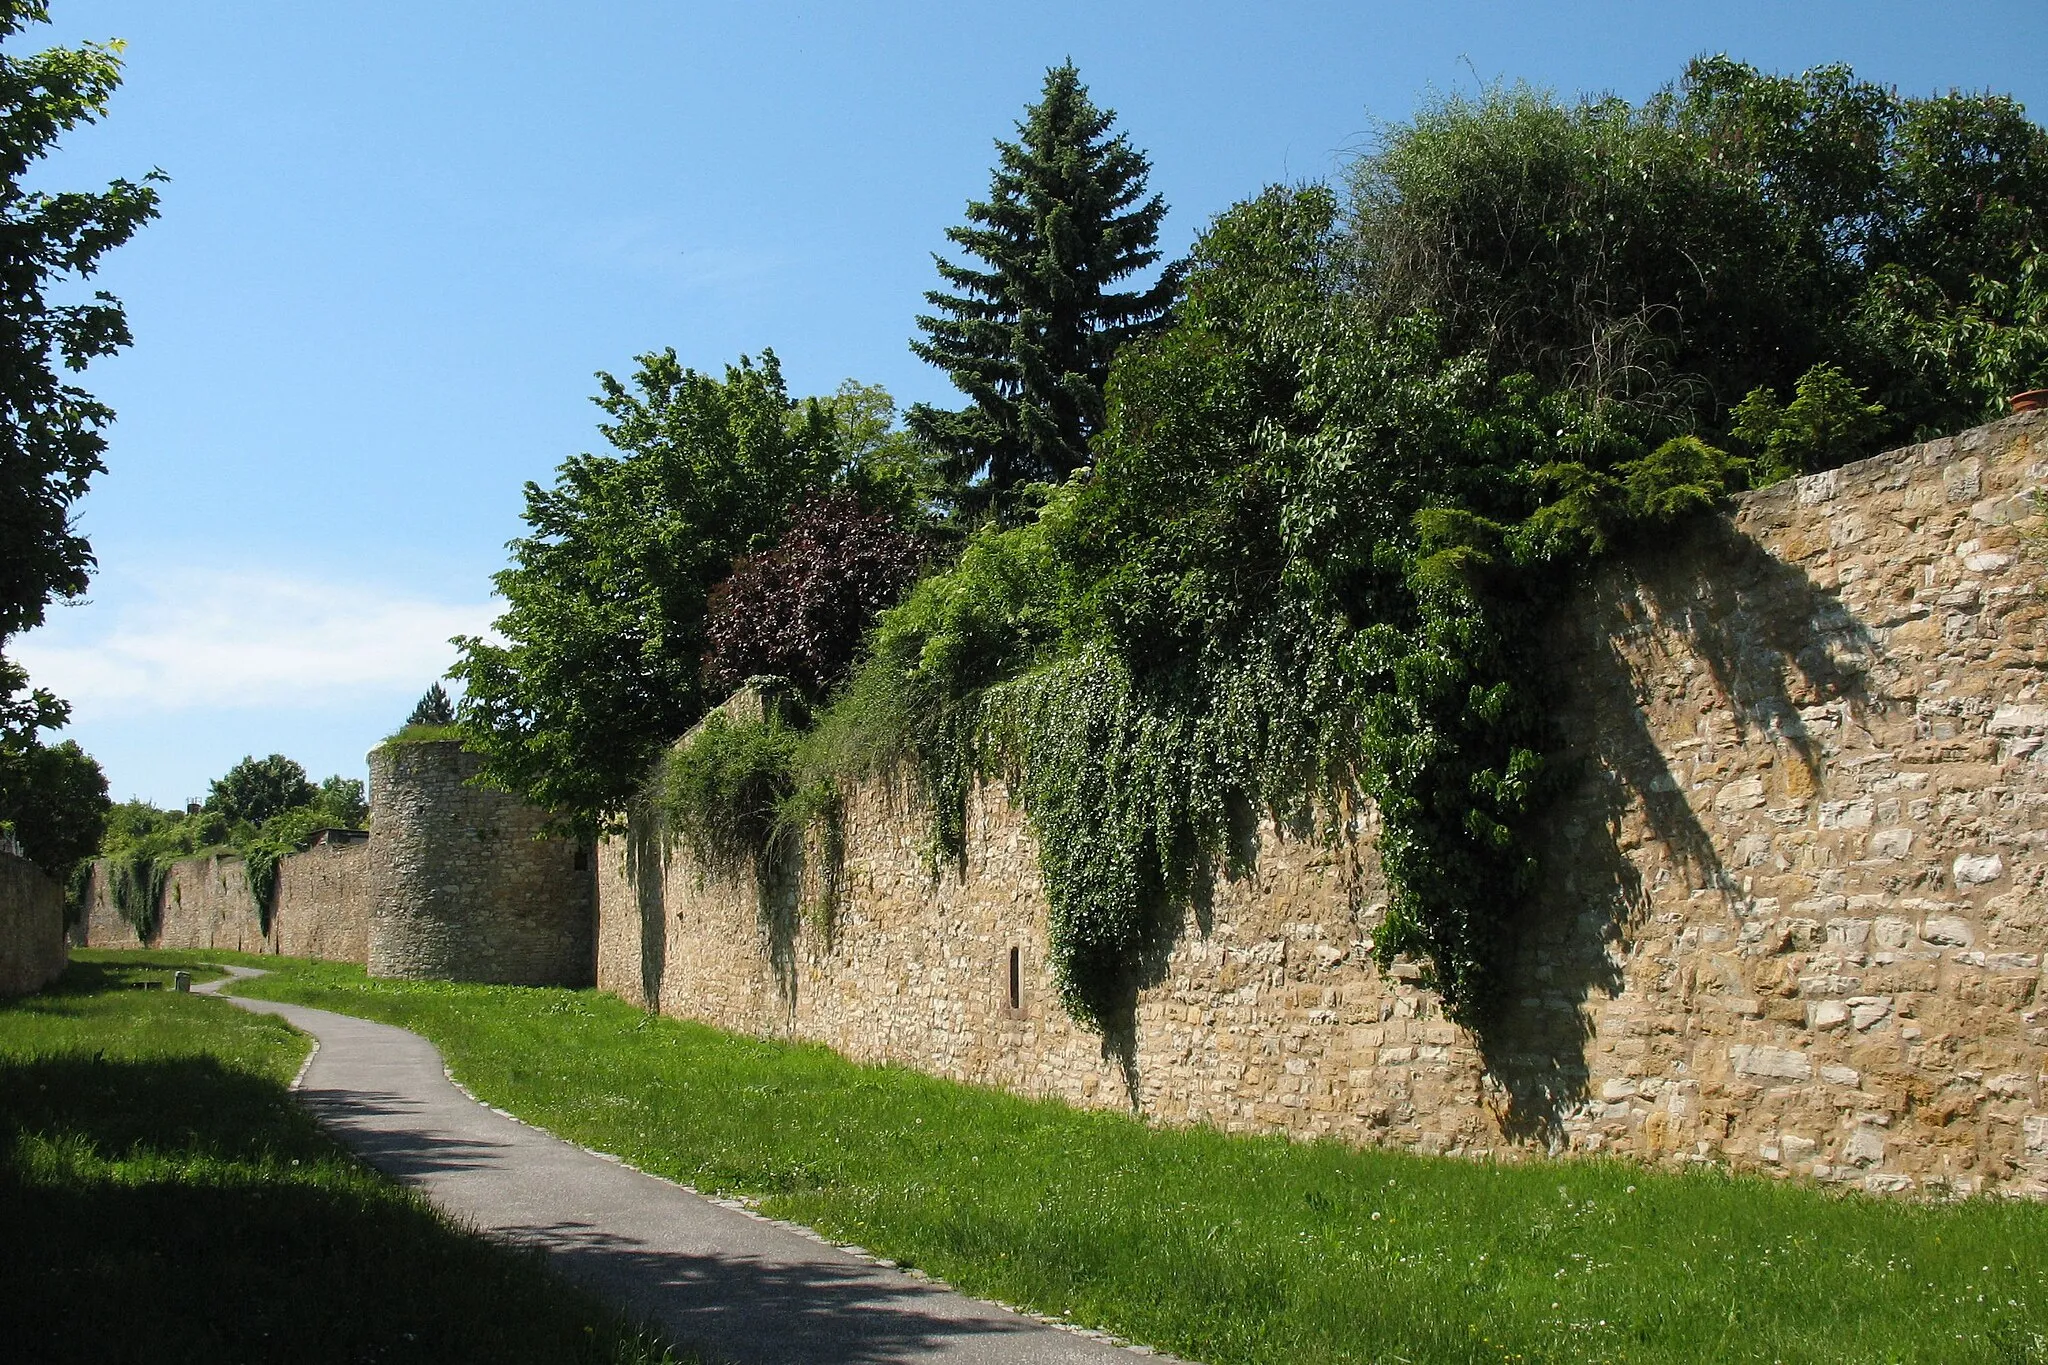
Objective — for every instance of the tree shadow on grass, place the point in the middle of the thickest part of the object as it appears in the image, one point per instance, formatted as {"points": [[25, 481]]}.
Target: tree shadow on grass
{"points": [[180, 1209]]}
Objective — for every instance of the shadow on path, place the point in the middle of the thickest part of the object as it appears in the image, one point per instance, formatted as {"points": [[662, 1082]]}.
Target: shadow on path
{"points": [[739, 1287], [774, 1309]]}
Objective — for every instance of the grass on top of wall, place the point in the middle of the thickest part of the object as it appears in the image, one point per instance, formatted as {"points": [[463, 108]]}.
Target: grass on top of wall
{"points": [[1235, 1249], [424, 734], [163, 1198]]}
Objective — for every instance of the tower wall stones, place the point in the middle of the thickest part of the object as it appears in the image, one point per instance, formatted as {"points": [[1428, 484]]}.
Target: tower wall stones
{"points": [[465, 886], [1793, 920]]}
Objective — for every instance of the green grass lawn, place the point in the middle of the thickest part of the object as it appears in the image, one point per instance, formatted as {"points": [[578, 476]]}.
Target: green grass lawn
{"points": [[1229, 1249], [163, 1198]]}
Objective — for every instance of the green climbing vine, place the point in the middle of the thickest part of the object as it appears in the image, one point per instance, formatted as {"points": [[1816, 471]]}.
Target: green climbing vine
{"points": [[136, 882], [734, 793]]}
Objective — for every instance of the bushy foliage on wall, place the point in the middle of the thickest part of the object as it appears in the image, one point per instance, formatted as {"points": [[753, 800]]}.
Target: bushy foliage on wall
{"points": [[606, 626], [1387, 431]]}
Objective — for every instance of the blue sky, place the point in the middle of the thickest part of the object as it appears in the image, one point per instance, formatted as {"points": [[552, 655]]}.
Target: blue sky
{"points": [[400, 237]]}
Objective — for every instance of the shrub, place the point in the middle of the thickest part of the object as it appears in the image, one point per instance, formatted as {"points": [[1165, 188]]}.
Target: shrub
{"points": [[721, 789], [1827, 423], [425, 734]]}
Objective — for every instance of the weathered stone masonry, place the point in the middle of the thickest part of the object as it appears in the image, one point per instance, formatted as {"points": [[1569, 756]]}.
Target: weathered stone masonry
{"points": [[323, 905], [1794, 915], [32, 945], [456, 882], [466, 887]]}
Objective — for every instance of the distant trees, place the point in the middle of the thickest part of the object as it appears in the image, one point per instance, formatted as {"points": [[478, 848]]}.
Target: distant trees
{"points": [[1028, 335], [341, 804], [261, 810], [257, 788]]}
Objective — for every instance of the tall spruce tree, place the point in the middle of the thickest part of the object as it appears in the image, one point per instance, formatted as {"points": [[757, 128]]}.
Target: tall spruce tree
{"points": [[1030, 338], [433, 708]]}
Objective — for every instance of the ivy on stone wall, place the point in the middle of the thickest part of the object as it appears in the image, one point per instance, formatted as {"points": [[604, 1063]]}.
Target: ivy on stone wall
{"points": [[736, 795], [135, 884], [1386, 434]]}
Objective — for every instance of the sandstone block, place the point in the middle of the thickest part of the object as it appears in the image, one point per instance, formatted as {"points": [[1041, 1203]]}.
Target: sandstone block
{"points": [[1773, 1062]]}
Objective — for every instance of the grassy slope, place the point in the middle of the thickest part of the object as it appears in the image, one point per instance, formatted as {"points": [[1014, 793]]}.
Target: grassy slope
{"points": [[162, 1198], [1231, 1249]]}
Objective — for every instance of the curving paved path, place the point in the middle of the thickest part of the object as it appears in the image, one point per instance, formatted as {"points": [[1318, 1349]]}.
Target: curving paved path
{"points": [[717, 1278]]}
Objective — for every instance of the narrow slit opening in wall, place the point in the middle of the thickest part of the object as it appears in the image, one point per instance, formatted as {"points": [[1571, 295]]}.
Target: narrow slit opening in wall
{"points": [[582, 859], [1016, 978]]}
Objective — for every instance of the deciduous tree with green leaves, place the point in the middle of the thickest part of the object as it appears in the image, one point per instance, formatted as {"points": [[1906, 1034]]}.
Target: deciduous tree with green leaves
{"points": [[54, 799], [605, 599], [52, 433], [257, 788], [1028, 335]]}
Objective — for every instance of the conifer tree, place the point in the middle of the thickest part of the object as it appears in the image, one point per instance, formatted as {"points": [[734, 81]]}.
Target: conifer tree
{"points": [[433, 708], [1029, 339]]}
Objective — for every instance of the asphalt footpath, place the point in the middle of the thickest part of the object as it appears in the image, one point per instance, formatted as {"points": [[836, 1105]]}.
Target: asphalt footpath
{"points": [[715, 1277]]}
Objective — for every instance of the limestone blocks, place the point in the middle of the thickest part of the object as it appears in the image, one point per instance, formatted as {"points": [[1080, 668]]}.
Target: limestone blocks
{"points": [[1794, 919], [466, 884]]}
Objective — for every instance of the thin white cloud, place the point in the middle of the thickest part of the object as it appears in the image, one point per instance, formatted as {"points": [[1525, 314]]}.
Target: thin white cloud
{"points": [[649, 249], [195, 639]]}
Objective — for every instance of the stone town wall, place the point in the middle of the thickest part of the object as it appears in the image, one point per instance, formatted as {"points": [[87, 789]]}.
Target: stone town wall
{"points": [[1794, 914], [33, 949], [465, 885], [323, 906], [323, 902]]}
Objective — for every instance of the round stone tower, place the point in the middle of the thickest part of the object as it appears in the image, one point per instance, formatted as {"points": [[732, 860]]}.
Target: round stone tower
{"points": [[464, 885]]}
